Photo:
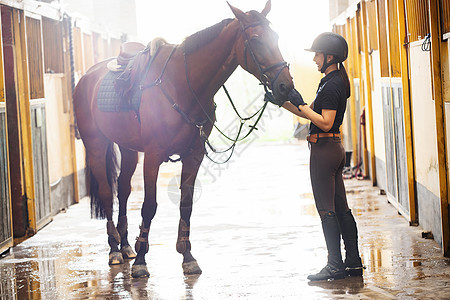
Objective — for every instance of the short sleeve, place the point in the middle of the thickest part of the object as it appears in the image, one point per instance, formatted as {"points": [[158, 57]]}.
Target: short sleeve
{"points": [[330, 100]]}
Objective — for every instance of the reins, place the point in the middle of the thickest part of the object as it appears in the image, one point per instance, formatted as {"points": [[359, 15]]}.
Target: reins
{"points": [[204, 137]]}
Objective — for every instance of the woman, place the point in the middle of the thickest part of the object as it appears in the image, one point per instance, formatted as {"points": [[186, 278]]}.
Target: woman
{"points": [[328, 156]]}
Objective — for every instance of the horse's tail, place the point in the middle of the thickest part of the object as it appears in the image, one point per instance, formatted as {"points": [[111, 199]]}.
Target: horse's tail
{"points": [[97, 208]]}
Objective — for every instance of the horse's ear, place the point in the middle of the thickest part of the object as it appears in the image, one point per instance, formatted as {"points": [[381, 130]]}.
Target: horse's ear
{"points": [[239, 14], [267, 8]]}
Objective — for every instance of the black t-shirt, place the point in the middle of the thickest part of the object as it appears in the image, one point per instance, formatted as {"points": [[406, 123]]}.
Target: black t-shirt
{"points": [[331, 94]]}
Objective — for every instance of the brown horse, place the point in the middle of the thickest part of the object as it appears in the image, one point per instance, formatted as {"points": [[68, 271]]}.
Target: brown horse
{"points": [[177, 84]]}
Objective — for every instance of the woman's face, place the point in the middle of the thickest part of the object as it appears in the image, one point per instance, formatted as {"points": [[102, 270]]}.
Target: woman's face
{"points": [[318, 59]]}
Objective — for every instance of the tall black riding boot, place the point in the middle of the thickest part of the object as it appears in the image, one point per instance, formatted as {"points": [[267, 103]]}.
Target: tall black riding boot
{"points": [[334, 268], [349, 231]]}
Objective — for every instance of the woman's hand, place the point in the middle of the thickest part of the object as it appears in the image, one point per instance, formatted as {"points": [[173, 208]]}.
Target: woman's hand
{"points": [[297, 106], [268, 97], [295, 98]]}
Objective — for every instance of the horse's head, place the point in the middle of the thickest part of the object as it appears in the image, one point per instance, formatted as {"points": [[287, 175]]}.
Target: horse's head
{"points": [[258, 53]]}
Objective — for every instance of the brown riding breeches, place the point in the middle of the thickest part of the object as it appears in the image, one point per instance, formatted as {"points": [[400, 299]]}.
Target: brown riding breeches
{"points": [[327, 161]]}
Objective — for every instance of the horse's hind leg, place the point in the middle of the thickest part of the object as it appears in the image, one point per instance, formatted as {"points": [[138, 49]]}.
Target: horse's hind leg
{"points": [[151, 168], [100, 155], [129, 159], [189, 172]]}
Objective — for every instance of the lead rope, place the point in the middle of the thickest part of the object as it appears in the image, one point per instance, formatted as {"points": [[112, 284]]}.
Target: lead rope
{"points": [[233, 140], [234, 107]]}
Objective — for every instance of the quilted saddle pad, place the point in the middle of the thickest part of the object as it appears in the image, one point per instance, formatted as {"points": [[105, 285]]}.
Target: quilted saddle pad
{"points": [[109, 101]]}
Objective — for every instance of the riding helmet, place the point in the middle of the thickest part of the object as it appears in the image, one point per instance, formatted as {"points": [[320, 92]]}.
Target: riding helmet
{"points": [[331, 43]]}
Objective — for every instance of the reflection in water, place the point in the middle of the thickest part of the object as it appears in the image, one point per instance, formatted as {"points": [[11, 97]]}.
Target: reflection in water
{"points": [[350, 285], [7, 283], [139, 289], [20, 280], [190, 281]]}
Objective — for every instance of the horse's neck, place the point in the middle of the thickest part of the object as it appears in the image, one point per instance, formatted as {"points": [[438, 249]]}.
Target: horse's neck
{"points": [[218, 62]]}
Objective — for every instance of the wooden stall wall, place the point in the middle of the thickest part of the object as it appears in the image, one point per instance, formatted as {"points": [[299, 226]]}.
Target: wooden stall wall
{"points": [[438, 48], [37, 54], [6, 233], [399, 55], [35, 59], [60, 141], [445, 62], [16, 172], [25, 110], [88, 51], [374, 121], [368, 107], [392, 95], [52, 37]]}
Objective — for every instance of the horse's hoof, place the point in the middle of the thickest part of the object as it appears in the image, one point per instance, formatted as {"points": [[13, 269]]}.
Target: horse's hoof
{"points": [[127, 252], [115, 258], [191, 268], [139, 271]]}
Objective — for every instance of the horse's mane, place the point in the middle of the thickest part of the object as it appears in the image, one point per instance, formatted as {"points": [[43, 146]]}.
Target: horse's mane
{"points": [[203, 37]]}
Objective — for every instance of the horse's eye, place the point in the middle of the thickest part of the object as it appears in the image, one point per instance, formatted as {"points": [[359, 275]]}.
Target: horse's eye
{"points": [[256, 40]]}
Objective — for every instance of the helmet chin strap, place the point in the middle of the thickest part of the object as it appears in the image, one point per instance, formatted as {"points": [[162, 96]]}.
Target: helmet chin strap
{"points": [[325, 63]]}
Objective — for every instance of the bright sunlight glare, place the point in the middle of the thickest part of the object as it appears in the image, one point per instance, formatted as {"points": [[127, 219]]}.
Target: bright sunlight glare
{"points": [[297, 24]]}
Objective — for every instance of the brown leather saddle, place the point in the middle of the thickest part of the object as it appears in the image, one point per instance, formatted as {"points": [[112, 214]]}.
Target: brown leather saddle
{"points": [[120, 88], [132, 60], [128, 51]]}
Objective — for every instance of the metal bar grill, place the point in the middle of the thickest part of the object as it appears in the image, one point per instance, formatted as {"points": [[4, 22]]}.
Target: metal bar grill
{"points": [[417, 19], [35, 59]]}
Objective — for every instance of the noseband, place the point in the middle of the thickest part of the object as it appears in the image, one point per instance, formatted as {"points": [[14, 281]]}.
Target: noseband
{"points": [[264, 79]]}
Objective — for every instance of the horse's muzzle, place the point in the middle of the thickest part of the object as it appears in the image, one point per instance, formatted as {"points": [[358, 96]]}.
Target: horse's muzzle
{"points": [[282, 87], [281, 84]]}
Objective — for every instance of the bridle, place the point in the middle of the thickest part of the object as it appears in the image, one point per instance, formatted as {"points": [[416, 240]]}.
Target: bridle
{"points": [[263, 78]]}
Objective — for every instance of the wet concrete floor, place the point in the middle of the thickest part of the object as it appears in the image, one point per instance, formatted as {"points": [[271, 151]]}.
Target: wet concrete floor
{"points": [[254, 232]]}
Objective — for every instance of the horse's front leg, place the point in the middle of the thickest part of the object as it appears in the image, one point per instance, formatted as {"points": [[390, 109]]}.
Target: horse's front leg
{"points": [[189, 172], [128, 162], [151, 168]]}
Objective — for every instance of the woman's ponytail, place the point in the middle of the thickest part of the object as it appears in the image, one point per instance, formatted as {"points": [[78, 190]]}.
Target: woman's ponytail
{"points": [[344, 76]]}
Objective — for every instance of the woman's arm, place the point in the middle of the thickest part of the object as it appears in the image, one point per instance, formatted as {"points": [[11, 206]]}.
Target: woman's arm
{"points": [[324, 121], [298, 107], [291, 107]]}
